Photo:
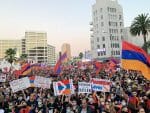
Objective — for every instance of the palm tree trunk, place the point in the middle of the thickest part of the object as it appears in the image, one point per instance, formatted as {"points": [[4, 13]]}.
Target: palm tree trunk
{"points": [[145, 43]]}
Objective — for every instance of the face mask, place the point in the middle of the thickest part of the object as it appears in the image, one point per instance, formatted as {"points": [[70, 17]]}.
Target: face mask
{"points": [[68, 110], [123, 103], [118, 86], [102, 103], [20, 98], [90, 100]]}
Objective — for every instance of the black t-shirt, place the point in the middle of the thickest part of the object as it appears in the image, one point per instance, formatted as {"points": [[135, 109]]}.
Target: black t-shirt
{"points": [[33, 104], [52, 107]]}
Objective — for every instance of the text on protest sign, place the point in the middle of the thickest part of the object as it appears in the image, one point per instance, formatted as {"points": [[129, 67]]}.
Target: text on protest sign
{"points": [[20, 84], [100, 85], [84, 87], [42, 82]]}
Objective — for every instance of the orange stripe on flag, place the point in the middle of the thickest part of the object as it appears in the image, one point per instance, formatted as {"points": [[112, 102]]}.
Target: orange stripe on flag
{"points": [[136, 65]]}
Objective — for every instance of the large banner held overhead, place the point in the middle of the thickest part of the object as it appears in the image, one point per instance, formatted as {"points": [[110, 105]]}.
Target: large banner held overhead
{"points": [[42, 82], [20, 84], [84, 87], [64, 87], [100, 85]]}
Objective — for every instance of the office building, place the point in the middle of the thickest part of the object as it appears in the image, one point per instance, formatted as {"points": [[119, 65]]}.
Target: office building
{"points": [[7, 44], [107, 29], [51, 57], [36, 46]]}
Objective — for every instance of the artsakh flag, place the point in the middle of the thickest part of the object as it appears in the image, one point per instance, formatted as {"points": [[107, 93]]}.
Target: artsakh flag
{"points": [[64, 87]]}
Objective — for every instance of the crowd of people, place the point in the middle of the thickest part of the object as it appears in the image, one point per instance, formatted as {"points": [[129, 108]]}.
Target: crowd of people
{"points": [[129, 93]]}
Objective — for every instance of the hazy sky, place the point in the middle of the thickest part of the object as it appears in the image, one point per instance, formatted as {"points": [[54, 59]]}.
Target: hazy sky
{"points": [[63, 20]]}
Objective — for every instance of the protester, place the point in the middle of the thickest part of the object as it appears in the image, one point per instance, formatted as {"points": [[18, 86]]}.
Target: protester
{"points": [[129, 93]]}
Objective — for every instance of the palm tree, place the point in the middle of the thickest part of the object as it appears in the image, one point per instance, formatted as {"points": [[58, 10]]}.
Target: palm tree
{"points": [[141, 25], [10, 55], [23, 56], [80, 55]]}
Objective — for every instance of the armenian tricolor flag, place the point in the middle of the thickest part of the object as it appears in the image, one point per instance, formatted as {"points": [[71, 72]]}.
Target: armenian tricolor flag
{"points": [[57, 68], [135, 58]]}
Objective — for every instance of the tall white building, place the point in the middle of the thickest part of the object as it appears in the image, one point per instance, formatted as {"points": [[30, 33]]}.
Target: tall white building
{"points": [[51, 57], [36, 46], [107, 29]]}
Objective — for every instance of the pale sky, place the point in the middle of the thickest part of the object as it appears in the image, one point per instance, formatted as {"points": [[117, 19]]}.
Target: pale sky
{"points": [[65, 21]]}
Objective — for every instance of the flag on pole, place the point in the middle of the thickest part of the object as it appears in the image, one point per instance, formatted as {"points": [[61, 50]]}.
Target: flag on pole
{"points": [[57, 68], [135, 58]]}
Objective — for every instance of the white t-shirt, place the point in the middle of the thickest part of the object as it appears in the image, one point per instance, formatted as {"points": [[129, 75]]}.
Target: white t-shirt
{"points": [[1, 111]]}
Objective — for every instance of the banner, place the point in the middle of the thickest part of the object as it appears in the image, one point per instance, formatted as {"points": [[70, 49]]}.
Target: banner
{"points": [[84, 87], [42, 82], [19, 84], [64, 87], [2, 78], [100, 85]]}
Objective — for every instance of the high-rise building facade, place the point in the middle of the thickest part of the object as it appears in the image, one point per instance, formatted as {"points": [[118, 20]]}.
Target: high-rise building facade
{"points": [[36, 46], [107, 29], [7, 44], [51, 57], [66, 48]]}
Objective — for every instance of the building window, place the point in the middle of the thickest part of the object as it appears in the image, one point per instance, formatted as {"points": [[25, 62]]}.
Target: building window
{"points": [[103, 38], [121, 30], [118, 52], [98, 53], [120, 23], [111, 45], [101, 53], [104, 52], [120, 17], [101, 9], [101, 16], [97, 39], [118, 46], [103, 45], [98, 46], [102, 24], [114, 52], [111, 52]]}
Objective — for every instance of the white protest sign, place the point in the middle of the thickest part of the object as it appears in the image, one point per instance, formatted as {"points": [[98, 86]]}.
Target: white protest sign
{"points": [[100, 85], [2, 78], [42, 82], [20, 84], [84, 87]]}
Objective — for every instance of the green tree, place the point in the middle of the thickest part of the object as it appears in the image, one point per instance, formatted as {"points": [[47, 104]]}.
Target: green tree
{"points": [[80, 55], [141, 25], [23, 57], [147, 45], [10, 55]]}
